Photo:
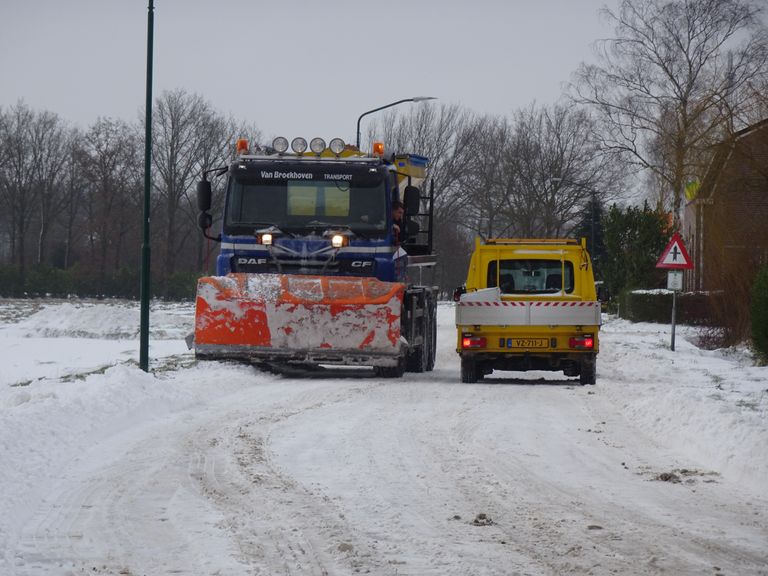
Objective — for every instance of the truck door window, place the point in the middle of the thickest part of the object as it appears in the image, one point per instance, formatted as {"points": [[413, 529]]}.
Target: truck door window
{"points": [[264, 203], [531, 276]]}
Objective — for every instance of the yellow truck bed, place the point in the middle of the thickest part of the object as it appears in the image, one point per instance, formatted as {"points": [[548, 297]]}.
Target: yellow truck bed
{"points": [[528, 305]]}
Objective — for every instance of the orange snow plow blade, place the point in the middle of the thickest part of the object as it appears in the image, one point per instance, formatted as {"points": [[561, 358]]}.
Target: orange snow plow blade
{"points": [[306, 319]]}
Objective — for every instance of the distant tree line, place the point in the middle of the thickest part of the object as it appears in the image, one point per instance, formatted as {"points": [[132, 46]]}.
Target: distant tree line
{"points": [[676, 78], [71, 200]]}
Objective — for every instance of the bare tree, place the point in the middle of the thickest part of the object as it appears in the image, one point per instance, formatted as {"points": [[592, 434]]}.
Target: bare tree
{"points": [[444, 134], [111, 168], [18, 194], [188, 137], [72, 184], [483, 183], [758, 98], [673, 80], [49, 141], [530, 176], [553, 167], [218, 147]]}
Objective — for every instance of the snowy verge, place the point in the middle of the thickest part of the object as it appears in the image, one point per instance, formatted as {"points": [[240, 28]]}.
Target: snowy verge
{"points": [[710, 406]]}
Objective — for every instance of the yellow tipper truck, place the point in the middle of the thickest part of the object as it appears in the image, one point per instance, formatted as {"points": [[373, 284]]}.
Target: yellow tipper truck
{"points": [[528, 305]]}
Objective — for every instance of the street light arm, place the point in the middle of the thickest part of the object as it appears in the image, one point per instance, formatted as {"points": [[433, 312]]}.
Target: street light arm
{"points": [[376, 110], [414, 99]]}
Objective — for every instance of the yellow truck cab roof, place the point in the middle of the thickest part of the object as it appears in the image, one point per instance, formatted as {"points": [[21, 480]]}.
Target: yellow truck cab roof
{"points": [[532, 269]]}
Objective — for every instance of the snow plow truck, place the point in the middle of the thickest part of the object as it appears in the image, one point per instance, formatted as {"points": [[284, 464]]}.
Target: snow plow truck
{"points": [[312, 269]]}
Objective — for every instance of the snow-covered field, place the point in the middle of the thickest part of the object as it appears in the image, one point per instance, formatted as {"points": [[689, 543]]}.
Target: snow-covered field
{"points": [[218, 469]]}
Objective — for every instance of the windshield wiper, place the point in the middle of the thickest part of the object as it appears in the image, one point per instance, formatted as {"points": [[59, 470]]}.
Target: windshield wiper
{"points": [[271, 229], [331, 226]]}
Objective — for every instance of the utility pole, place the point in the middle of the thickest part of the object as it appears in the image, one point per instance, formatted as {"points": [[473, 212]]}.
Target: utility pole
{"points": [[145, 249]]}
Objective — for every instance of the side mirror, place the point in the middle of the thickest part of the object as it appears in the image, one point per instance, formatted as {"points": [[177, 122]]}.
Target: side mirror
{"points": [[411, 199], [457, 292], [205, 220], [204, 196]]}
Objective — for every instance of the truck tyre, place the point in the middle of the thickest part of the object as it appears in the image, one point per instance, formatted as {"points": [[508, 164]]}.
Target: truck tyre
{"points": [[391, 371], [417, 359], [469, 374], [588, 374], [432, 337], [422, 358]]}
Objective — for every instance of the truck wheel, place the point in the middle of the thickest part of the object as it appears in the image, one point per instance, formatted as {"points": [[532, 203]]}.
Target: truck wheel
{"points": [[588, 373], [391, 371], [418, 358], [469, 374], [432, 338]]}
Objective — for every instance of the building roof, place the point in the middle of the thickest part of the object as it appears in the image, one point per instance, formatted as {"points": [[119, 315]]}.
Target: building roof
{"points": [[723, 152]]}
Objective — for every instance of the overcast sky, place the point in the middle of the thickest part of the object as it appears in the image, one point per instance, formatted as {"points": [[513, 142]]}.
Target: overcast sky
{"points": [[294, 68]]}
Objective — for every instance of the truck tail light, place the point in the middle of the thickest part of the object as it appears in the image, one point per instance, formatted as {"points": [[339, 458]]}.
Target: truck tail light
{"points": [[473, 342], [586, 342]]}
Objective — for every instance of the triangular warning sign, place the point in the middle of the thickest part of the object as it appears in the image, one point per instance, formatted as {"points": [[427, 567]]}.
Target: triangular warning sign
{"points": [[675, 256]]}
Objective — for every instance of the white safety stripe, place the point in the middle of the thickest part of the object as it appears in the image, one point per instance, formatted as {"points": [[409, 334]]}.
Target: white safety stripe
{"points": [[528, 313]]}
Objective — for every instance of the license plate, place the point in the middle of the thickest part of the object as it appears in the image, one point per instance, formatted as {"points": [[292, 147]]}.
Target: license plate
{"points": [[527, 343]]}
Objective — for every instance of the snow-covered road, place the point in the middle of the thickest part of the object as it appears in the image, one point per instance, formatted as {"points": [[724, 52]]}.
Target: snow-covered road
{"points": [[217, 469]]}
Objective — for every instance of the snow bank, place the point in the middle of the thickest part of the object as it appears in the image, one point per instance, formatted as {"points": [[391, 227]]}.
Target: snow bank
{"points": [[710, 406]]}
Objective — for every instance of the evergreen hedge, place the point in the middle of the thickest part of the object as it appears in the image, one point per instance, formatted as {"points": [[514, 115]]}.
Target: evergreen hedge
{"points": [[49, 281], [656, 306]]}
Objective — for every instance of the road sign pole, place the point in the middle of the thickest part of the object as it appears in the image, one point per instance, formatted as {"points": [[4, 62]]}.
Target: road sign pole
{"points": [[674, 309]]}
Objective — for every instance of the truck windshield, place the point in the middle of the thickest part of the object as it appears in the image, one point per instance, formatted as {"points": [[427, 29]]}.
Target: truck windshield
{"points": [[531, 276], [301, 202]]}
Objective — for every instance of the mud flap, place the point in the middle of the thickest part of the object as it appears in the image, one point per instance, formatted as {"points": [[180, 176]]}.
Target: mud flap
{"points": [[311, 319]]}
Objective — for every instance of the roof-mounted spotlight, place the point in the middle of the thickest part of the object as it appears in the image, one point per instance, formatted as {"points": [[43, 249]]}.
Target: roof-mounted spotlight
{"points": [[317, 145], [280, 144], [299, 145], [337, 146]]}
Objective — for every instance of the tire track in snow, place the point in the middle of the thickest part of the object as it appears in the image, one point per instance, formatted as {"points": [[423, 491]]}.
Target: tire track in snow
{"points": [[556, 493], [287, 526], [190, 495]]}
